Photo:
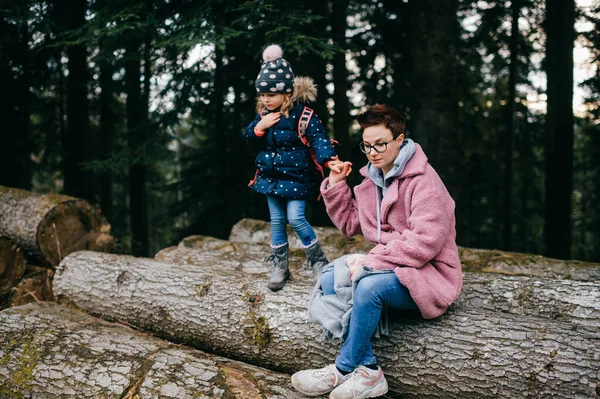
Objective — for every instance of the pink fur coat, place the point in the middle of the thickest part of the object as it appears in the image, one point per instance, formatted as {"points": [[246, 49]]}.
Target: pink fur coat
{"points": [[418, 235]]}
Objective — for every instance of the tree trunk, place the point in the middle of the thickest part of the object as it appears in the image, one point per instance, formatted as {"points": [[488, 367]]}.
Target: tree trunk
{"points": [[473, 260], [107, 130], [138, 192], [48, 227], [77, 182], [12, 264], [510, 124], [54, 352], [492, 354], [560, 31], [341, 120]]}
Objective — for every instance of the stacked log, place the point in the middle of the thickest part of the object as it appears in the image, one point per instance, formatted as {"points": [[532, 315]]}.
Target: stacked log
{"points": [[49, 351], [36, 232], [12, 264], [506, 337], [48, 227], [473, 260]]}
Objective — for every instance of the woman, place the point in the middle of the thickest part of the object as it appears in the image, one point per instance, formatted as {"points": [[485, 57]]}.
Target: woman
{"points": [[403, 206]]}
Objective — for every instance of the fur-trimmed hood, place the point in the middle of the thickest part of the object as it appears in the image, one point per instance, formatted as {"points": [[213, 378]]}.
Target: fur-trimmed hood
{"points": [[305, 90]]}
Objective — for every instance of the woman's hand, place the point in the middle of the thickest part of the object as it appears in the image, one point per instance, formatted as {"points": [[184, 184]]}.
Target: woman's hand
{"points": [[355, 262], [339, 170], [268, 120]]}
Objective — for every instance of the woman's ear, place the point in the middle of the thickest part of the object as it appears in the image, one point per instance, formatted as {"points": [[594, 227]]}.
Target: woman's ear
{"points": [[400, 138]]}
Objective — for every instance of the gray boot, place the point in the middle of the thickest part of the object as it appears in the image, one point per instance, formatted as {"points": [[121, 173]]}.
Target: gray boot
{"points": [[281, 271], [316, 260]]}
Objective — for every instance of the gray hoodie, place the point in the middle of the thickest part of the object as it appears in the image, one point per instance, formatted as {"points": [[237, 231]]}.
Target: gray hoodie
{"points": [[407, 150]]}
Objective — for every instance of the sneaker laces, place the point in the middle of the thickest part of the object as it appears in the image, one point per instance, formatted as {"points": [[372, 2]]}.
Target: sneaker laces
{"points": [[350, 387], [321, 374]]}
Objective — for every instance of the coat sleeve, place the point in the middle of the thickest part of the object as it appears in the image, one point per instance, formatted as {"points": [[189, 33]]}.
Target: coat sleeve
{"points": [[319, 140], [341, 207], [429, 223], [249, 134]]}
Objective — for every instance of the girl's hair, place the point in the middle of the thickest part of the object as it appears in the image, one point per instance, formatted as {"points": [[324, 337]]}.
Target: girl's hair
{"points": [[286, 106], [383, 114]]}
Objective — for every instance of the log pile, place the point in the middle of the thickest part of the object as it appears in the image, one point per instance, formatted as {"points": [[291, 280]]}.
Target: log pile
{"points": [[36, 232], [524, 326], [49, 351], [473, 260], [506, 337]]}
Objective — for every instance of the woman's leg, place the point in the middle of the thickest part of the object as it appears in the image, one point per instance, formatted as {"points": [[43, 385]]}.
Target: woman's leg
{"points": [[370, 296], [297, 219], [277, 210]]}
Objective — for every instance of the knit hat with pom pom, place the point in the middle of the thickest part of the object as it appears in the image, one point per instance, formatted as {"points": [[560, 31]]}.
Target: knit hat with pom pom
{"points": [[275, 74]]}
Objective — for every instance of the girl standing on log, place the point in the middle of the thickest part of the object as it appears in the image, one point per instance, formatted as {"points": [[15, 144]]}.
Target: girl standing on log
{"points": [[285, 166], [403, 206]]}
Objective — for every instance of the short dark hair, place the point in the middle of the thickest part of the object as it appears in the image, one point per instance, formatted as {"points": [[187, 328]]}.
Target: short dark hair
{"points": [[383, 114]]}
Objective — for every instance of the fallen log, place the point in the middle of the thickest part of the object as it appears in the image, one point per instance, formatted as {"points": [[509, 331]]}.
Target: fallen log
{"points": [[48, 227], [35, 286], [12, 264], [473, 260], [49, 351], [469, 353], [575, 302]]}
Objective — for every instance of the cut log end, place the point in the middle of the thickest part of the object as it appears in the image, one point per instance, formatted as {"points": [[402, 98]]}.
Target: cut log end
{"points": [[72, 226], [12, 264]]}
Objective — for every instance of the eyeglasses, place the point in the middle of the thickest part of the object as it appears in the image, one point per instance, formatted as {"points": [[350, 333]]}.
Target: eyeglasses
{"points": [[378, 147]]}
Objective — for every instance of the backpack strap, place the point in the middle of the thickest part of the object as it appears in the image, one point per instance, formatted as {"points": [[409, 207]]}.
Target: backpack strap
{"points": [[303, 123]]}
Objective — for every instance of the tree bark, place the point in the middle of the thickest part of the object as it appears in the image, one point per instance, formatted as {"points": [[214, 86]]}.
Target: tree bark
{"points": [[48, 227], [473, 260], [53, 352], [548, 298], [12, 264], [232, 313]]}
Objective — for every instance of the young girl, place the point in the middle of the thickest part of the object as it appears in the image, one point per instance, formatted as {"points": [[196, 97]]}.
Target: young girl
{"points": [[285, 170]]}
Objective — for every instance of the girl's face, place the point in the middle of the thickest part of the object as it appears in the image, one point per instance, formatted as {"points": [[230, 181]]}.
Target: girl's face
{"points": [[271, 101], [379, 134]]}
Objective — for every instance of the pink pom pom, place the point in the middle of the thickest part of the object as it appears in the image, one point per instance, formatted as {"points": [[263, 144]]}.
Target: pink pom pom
{"points": [[272, 53]]}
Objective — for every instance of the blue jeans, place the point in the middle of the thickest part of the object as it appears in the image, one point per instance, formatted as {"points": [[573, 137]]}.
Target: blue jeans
{"points": [[284, 210], [372, 293]]}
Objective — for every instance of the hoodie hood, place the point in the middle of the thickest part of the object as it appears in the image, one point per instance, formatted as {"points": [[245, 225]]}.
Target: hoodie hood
{"points": [[407, 150]]}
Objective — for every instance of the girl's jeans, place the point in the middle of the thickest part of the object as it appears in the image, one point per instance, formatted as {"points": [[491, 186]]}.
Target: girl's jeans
{"points": [[372, 293], [284, 210]]}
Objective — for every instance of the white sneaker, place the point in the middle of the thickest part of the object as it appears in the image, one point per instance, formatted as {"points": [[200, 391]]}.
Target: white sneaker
{"points": [[361, 385], [318, 382]]}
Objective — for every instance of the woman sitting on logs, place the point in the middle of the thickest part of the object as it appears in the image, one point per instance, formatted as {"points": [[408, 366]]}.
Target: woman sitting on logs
{"points": [[403, 206]]}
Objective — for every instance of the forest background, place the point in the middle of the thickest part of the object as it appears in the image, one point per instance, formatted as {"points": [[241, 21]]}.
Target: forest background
{"points": [[138, 106]]}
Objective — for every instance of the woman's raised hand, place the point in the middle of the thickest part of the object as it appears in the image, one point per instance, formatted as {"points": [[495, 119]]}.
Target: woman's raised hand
{"points": [[339, 170], [268, 120]]}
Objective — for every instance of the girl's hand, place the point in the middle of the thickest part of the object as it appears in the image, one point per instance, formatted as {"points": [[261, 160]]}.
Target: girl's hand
{"points": [[355, 262], [268, 120], [339, 171]]}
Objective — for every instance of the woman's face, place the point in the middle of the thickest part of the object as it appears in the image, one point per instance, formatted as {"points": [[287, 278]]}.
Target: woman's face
{"points": [[379, 134], [271, 101]]}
